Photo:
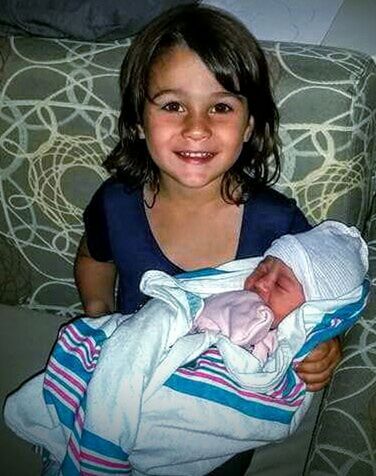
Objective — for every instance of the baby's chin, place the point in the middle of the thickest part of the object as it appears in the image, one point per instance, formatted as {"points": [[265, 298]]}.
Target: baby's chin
{"points": [[276, 321]]}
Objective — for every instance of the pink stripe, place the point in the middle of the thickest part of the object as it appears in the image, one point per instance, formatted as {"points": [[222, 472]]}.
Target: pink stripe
{"points": [[103, 462], [86, 343], [209, 363], [296, 390], [74, 451], [77, 351], [83, 455], [280, 388], [299, 402], [289, 399], [278, 393], [283, 400], [80, 418], [212, 351], [84, 339], [60, 371], [61, 393], [243, 393], [90, 352]]}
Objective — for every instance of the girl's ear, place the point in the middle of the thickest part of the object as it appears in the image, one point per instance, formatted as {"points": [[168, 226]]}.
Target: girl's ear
{"points": [[249, 129], [140, 130]]}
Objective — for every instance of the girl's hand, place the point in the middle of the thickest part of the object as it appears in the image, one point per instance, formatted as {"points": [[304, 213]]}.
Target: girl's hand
{"points": [[317, 368]]}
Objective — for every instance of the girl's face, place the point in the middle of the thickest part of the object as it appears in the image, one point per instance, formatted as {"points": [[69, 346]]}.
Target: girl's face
{"points": [[194, 128]]}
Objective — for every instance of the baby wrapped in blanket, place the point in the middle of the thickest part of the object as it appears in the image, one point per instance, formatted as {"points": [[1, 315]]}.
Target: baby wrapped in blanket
{"points": [[304, 272], [146, 395]]}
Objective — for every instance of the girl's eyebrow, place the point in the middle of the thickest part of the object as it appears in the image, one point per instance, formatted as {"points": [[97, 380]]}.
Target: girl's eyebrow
{"points": [[216, 94], [164, 92]]}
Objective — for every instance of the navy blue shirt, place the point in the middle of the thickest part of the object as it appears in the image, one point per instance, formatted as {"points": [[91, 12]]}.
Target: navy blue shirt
{"points": [[117, 230]]}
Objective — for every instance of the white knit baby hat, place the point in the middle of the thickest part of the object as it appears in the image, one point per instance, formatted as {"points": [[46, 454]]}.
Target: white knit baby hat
{"points": [[329, 261]]}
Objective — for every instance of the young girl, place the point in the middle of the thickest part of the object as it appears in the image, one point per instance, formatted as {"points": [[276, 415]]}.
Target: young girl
{"points": [[190, 173]]}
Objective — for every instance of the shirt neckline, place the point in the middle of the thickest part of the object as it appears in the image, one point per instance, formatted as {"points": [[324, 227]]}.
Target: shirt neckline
{"points": [[157, 249]]}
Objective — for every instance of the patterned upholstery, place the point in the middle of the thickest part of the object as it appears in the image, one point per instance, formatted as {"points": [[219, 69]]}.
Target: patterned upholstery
{"points": [[59, 101]]}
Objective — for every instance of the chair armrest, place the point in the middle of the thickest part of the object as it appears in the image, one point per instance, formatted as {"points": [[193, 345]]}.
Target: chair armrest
{"points": [[344, 441]]}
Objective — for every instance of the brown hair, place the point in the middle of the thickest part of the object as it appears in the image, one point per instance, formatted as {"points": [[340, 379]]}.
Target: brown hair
{"points": [[239, 64]]}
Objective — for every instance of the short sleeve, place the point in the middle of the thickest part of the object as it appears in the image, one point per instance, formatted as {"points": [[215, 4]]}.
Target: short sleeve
{"points": [[299, 222], [96, 228]]}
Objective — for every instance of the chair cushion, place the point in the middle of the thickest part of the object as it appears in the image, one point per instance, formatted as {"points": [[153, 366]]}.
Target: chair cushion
{"points": [[26, 338], [59, 111]]}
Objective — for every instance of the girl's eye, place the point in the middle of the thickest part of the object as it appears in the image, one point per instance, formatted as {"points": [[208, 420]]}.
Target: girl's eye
{"points": [[222, 108], [172, 107]]}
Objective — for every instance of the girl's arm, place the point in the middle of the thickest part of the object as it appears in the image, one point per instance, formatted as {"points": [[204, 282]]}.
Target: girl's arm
{"points": [[95, 281]]}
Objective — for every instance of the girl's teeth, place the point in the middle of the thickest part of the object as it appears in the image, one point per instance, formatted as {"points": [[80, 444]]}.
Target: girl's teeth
{"points": [[196, 155]]}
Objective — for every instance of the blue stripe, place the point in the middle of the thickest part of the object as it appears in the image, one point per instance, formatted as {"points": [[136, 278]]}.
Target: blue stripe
{"points": [[201, 273], [202, 362], [223, 397], [194, 302], [68, 468], [66, 416], [102, 446], [348, 315], [89, 331], [73, 363], [289, 383], [104, 470], [58, 381], [198, 361]]}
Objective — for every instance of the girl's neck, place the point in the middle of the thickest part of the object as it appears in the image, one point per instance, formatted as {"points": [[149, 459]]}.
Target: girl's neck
{"points": [[183, 197]]}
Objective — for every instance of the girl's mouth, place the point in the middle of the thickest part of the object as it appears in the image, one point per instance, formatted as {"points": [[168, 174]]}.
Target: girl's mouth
{"points": [[195, 156]]}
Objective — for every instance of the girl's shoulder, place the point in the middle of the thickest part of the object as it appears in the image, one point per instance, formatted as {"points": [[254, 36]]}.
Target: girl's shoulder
{"points": [[274, 211], [112, 189], [273, 200]]}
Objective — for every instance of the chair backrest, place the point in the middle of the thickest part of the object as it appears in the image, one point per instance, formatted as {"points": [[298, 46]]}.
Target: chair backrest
{"points": [[59, 103]]}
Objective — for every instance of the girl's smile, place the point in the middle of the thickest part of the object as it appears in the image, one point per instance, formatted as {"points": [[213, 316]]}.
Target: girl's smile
{"points": [[195, 157], [193, 126]]}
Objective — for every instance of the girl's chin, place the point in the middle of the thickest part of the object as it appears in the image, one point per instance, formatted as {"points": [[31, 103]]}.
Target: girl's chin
{"points": [[197, 183]]}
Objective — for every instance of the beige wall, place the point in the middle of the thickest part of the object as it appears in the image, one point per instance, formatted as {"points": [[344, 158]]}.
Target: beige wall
{"points": [[354, 26], [343, 23]]}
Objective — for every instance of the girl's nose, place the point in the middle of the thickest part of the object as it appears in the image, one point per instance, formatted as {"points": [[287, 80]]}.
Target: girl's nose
{"points": [[196, 126]]}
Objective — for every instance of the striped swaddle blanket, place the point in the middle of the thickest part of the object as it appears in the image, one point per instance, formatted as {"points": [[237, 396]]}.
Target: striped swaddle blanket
{"points": [[141, 395]]}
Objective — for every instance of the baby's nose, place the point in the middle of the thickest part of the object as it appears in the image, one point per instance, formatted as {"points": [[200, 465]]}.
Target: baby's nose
{"points": [[262, 288]]}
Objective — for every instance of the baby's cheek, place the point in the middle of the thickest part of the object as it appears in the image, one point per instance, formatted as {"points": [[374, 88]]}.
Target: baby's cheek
{"points": [[248, 284]]}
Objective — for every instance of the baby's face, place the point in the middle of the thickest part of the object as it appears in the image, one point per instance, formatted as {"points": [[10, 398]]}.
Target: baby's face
{"points": [[277, 286]]}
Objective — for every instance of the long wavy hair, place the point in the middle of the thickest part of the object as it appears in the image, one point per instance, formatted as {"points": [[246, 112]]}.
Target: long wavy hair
{"points": [[238, 63]]}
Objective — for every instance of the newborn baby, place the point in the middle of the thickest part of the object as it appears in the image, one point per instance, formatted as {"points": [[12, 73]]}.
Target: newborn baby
{"points": [[323, 263]]}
